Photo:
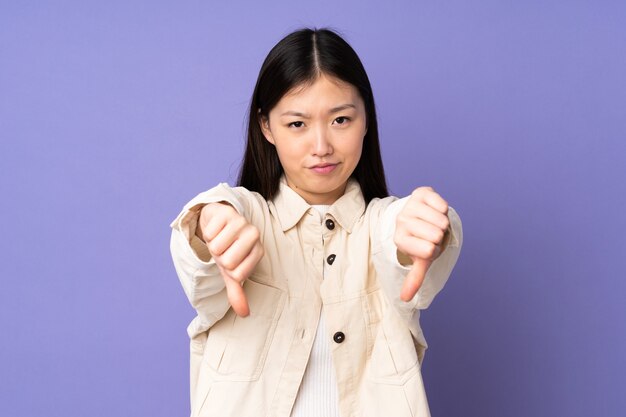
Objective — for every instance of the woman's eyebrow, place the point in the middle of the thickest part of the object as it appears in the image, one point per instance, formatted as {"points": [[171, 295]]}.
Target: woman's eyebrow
{"points": [[342, 107], [331, 111], [295, 113]]}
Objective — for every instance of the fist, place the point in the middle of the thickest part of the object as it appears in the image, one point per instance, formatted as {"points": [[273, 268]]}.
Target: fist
{"points": [[235, 246], [420, 230]]}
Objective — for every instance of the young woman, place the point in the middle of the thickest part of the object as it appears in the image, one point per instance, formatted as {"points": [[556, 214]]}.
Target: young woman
{"points": [[307, 278]]}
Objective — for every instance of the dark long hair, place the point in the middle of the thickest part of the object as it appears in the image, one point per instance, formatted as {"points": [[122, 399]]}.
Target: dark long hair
{"points": [[298, 59]]}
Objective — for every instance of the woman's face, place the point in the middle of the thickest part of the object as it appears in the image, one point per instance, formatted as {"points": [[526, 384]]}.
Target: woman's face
{"points": [[318, 133]]}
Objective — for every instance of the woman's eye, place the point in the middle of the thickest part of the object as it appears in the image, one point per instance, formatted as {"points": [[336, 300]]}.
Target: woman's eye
{"points": [[295, 124], [342, 120]]}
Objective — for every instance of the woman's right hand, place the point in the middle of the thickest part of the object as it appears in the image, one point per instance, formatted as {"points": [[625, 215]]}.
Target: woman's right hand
{"points": [[236, 247]]}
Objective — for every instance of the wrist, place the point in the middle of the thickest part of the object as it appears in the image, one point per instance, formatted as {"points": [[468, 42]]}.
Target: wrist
{"points": [[198, 231]]}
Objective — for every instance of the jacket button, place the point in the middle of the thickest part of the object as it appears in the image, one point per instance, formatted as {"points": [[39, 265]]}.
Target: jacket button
{"points": [[331, 259], [339, 337], [330, 224]]}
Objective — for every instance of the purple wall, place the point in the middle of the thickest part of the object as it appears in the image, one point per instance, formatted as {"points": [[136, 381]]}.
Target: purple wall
{"points": [[112, 116]]}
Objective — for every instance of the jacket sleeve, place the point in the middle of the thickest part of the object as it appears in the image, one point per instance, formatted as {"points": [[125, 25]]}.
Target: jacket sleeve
{"points": [[196, 270], [394, 270]]}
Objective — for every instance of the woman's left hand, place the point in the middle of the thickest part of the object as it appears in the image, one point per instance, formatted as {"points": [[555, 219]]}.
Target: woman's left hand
{"points": [[420, 231]]}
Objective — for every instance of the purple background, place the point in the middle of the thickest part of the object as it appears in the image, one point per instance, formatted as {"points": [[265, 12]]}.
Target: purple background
{"points": [[114, 114]]}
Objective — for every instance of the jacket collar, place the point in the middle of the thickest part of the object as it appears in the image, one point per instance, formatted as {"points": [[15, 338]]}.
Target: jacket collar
{"points": [[290, 207]]}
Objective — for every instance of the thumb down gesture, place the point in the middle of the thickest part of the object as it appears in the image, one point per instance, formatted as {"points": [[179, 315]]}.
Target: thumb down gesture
{"points": [[420, 231], [235, 245]]}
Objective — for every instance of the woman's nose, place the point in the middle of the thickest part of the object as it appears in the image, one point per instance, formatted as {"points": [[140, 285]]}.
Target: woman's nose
{"points": [[322, 144]]}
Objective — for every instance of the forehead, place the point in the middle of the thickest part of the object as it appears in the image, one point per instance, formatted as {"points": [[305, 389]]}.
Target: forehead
{"points": [[324, 91]]}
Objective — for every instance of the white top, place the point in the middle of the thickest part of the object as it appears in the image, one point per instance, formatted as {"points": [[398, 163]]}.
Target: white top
{"points": [[317, 396]]}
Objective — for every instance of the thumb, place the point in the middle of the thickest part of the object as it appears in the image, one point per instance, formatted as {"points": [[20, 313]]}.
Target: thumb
{"points": [[236, 297], [414, 278]]}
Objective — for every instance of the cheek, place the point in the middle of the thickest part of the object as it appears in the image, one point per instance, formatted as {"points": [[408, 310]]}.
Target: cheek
{"points": [[358, 153], [288, 153], [356, 147]]}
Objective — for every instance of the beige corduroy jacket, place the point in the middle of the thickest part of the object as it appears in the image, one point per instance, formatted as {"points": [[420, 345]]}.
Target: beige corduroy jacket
{"points": [[253, 366]]}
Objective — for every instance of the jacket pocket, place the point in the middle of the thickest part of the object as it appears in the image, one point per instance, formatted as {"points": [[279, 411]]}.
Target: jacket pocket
{"points": [[394, 359], [237, 346]]}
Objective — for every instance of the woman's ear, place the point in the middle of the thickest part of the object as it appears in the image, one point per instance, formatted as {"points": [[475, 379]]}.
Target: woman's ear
{"points": [[264, 123]]}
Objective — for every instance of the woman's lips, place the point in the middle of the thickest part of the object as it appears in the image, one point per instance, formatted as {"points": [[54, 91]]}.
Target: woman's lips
{"points": [[324, 169]]}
